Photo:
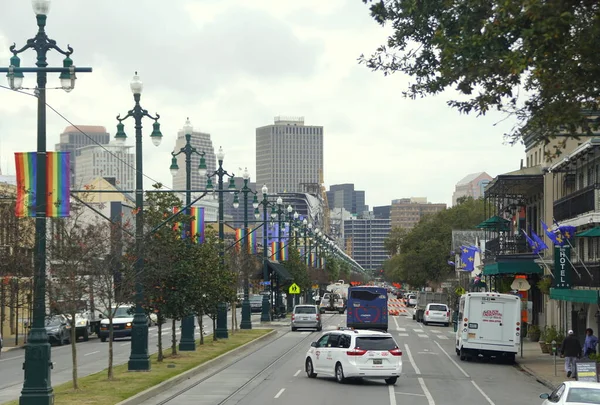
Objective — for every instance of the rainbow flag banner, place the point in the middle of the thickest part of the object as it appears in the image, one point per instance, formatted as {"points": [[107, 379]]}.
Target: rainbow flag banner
{"points": [[239, 239], [283, 251], [57, 201], [273, 250], [197, 230], [251, 241]]}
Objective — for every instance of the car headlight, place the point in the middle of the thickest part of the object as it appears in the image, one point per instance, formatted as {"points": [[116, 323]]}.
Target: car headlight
{"points": [[128, 324], [81, 323]]}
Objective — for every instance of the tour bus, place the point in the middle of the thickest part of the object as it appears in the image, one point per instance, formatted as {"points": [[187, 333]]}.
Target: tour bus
{"points": [[367, 308], [489, 324]]}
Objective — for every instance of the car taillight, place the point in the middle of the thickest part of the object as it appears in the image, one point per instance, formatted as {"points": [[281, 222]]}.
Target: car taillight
{"points": [[293, 316], [448, 314], [426, 312], [396, 352], [356, 352], [318, 317]]}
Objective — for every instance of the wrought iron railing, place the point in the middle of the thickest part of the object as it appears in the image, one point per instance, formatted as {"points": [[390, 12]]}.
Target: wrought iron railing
{"points": [[574, 204]]}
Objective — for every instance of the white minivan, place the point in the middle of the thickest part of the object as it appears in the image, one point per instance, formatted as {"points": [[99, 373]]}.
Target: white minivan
{"points": [[489, 324], [436, 313]]}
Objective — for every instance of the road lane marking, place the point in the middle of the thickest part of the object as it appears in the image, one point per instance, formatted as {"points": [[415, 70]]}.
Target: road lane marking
{"points": [[396, 322], [442, 337], [422, 335], [89, 354], [410, 358], [12, 358], [392, 395], [418, 330], [453, 361], [435, 331], [409, 393], [483, 393], [297, 372], [430, 400], [402, 334], [279, 393], [401, 329]]}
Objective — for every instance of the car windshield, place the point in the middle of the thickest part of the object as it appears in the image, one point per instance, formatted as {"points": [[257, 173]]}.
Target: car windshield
{"points": [[305, 310], [584, 395], [53, 321], [375, 343], [122, 312], [256, 298], [438, 308]]}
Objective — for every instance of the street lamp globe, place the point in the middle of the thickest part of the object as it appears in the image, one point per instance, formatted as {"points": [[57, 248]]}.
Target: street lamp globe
{"points": [[202, 166], [255, 202], [220, 154], [309, 226], [187, 127], [136, 84], [296, 215], [41, 7], [289, 209], [304, 222], [256, 213], [246, 174], [174, 167], [279, 201], [236, 201], [265, 190]]}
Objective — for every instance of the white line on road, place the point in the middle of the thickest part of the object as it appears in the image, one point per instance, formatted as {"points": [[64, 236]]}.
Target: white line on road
{"points": [[396, 322], [422, 335], [279, 393], [410, 358], [430, 400], [483, 393], [418, 330], [401, 329], [409, 393], [89, 354], [402, 334], [12, 358], [442, 337], [453, 361], [392, 395], [297, 372]]}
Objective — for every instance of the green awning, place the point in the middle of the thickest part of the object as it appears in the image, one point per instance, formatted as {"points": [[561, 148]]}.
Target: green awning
{"points": [[494, 222], [512, 267], [589, 233], [281, 271], [582, 296]]}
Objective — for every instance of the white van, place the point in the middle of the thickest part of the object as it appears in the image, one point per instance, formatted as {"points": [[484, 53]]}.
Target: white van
{"points": [[489, 324]]}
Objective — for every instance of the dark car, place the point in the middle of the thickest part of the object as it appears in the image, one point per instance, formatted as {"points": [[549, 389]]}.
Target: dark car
{"points": [[256, 303], [58, 329]]}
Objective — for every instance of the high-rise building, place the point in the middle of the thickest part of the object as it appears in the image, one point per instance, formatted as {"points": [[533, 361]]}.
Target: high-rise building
{"points": [[75, 137], [382, 212], [202, 142], [364, 241], [289, 155], [106, 161], [344, 196], [472, 185], [407, 212]]}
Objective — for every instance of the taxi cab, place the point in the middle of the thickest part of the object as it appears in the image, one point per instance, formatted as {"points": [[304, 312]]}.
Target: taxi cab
{"points": [[347, 353]]}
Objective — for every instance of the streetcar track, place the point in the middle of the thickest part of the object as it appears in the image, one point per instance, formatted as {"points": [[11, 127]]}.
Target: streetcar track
{"points": [[252, 379]]}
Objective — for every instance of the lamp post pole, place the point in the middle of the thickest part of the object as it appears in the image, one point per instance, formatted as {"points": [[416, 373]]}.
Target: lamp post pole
{"points": [[37, 385], [188, 341], [139, 359], [265, 315], [221, 331], [246, 310]]}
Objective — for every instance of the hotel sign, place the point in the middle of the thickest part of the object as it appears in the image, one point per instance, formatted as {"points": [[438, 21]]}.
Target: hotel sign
{"points": [[563, 267]]}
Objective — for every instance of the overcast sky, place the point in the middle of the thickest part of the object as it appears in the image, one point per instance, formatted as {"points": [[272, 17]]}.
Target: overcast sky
{"points": [[231, 66]]}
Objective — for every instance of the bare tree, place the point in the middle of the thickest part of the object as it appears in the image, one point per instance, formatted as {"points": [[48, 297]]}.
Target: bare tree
{"points": [[242, 265]]}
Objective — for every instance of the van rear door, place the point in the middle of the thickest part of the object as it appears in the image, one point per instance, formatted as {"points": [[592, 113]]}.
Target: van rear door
{"points": [[491, 326]]}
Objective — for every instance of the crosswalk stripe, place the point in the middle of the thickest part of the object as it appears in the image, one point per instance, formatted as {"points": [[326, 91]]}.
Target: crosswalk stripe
{"points": [[418, 330], [402, 334], [402, 329], [422, 335], [442, 337]]}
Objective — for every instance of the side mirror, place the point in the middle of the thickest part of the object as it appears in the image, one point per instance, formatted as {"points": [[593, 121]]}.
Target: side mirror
{"points": [[100, 316], [313, 344], [544, 396]]}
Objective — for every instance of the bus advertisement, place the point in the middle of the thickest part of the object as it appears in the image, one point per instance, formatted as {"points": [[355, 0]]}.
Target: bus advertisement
{"points": [[367, 308]]}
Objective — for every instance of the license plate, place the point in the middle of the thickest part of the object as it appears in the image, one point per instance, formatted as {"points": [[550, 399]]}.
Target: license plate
{"points": [[376, 361], [357, 304]]}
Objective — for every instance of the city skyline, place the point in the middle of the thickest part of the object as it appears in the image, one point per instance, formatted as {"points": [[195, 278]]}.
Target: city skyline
{"points": [[372, 135]]}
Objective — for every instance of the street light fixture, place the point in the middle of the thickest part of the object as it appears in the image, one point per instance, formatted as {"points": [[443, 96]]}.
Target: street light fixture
{"points": [[139, 358], [37, 387], [265, 315], [188, 341]]}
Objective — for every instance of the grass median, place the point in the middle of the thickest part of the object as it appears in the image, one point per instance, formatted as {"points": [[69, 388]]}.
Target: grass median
{"points": [[96, 389]]}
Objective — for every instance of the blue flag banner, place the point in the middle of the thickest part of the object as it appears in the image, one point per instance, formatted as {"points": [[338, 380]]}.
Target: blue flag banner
{"points": [[467, 257], [536, 243], [555, 236]]}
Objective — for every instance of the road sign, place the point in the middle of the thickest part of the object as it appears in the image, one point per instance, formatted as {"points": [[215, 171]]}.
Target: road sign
{"points": [[294, 289]]}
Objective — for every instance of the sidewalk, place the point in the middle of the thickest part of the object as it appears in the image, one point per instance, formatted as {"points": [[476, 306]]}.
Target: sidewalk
{"points": [[8, 343], [541, 365]]}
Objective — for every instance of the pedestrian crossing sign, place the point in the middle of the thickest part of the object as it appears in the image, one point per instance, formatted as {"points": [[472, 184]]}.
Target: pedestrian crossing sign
{"points": [[294, 289]]}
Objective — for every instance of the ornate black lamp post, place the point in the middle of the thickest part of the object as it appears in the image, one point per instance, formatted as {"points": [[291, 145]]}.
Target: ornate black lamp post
{"points": [[37, 386], [265, 315], [246, 310], [221, 332], [188, 342], [139, 359]]}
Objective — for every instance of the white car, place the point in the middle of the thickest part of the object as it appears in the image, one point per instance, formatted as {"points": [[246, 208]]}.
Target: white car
{"points": [[436, 313], [411, 301], [348, 353], [573, 392]]}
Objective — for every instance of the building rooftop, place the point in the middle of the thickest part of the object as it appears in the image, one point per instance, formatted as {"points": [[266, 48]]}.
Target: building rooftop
{"points": [[85, 128], [469, 178]]}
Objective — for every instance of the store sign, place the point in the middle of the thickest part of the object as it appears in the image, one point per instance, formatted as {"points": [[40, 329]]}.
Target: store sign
{"points": [[563, 269]]}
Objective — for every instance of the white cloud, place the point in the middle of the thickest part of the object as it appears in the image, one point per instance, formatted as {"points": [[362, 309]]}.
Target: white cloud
{"points": [[231, 66]]}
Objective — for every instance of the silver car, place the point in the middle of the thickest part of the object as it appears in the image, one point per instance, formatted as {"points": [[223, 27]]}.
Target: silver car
{"points": [[306, 316]]}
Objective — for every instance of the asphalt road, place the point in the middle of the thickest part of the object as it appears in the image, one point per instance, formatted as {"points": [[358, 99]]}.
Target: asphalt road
{"points": [[92, 357], [432, 375]]}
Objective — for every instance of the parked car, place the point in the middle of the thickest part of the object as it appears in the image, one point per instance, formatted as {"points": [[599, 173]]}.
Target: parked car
{"points": [[58, 329], [306, 316], [573, 392], [411, 300], [436, 313], [256, 303]]}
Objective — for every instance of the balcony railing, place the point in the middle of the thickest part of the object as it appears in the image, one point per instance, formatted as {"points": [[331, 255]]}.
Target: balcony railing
{"points": [[575, 204], [510, 245]]}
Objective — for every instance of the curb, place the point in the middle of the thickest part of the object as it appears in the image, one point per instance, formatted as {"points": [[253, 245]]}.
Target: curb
{"points": [[141, 397], [12, 348], [533, 374]]}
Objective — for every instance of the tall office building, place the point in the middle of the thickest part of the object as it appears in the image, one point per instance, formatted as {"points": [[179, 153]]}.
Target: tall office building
{"points": [[364, 239], [382, 212], [472, 185], [289, 155], [110, 161], [344, 196], [407, 212], [202, 142], [75, 137]]}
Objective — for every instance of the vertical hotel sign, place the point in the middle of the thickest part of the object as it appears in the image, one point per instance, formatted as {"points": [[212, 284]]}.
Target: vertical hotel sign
{"points": [[562, 267]]}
